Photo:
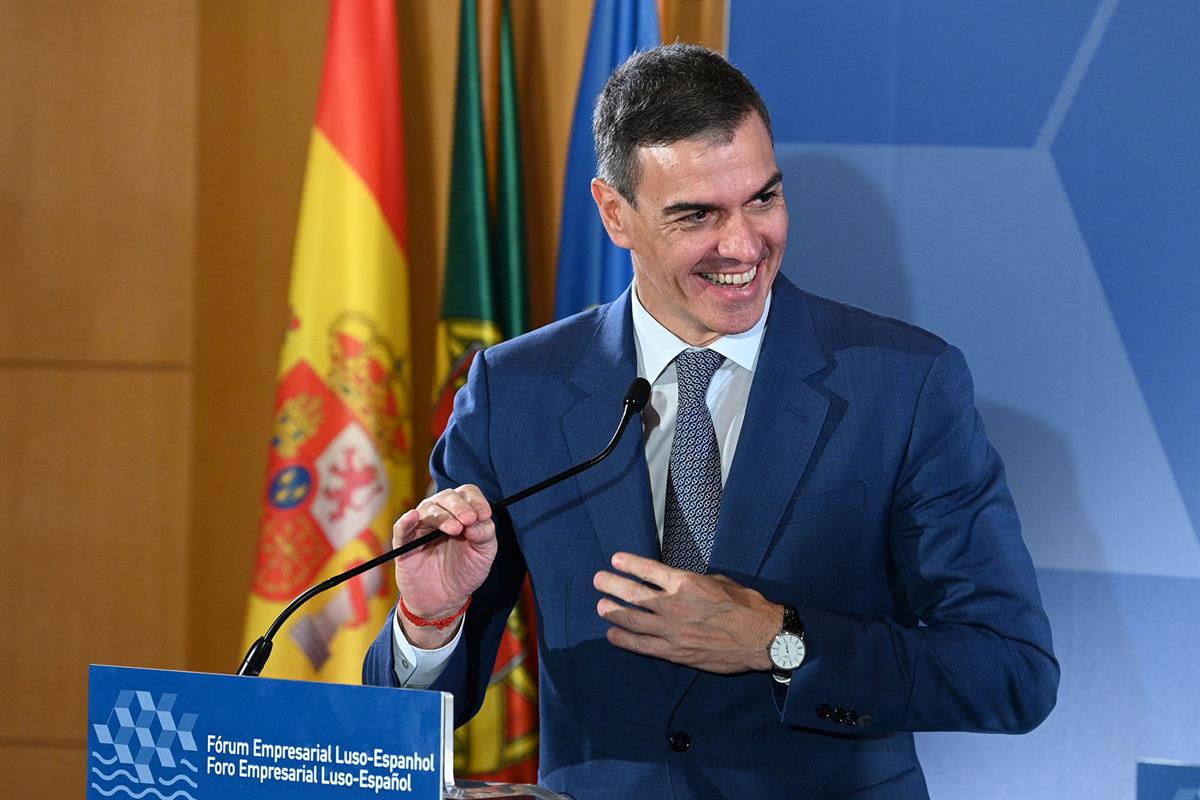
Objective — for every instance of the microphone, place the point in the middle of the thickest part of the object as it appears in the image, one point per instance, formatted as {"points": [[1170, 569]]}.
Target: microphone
{"points": [[637, 394]]}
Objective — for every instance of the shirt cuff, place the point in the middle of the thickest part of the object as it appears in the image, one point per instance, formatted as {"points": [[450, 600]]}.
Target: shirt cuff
{"points": [[417, 668]]}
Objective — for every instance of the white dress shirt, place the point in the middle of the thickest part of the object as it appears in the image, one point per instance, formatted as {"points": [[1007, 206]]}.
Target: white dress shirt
{"points": [[727, 394], [656, 349]]}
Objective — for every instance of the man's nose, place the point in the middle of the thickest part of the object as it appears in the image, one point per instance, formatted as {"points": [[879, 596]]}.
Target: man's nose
{"points": [[739, 240]]}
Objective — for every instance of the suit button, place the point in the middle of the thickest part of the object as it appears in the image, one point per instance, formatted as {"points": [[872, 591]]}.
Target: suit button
{"points": [[839, 715], [864, 720], [851, 717], [824, 711], [680, 741]]}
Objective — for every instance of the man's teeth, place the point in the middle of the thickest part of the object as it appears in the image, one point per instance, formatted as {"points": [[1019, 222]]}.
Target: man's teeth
{"points": [[732, 278]]}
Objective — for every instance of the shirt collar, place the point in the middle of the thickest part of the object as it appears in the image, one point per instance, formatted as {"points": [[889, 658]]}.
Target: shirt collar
{"points": [[657, 346]]}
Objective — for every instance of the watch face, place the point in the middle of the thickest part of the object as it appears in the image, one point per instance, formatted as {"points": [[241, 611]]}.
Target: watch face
{"points": [[787, 651]]}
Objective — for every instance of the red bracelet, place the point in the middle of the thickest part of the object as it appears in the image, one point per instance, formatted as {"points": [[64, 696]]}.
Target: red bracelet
{"points": [[440, 624]]}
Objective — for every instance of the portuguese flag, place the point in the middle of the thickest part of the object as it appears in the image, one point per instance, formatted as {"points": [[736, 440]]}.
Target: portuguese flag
{"points": [[484, 301], [339, 470]]}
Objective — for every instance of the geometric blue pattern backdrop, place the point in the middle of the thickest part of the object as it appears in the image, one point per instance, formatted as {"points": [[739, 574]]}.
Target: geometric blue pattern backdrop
{"points": [[1023, 179]]}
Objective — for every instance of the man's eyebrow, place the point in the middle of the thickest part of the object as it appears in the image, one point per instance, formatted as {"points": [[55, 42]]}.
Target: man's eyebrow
{"points": [[687, 207], [775, 180]]}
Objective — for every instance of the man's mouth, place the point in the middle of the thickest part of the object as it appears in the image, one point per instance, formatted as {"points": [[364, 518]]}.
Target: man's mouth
{"points": [[731, 278]]}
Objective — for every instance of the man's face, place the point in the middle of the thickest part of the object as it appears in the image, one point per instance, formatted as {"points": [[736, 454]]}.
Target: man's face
{"points": [[708, 233]]}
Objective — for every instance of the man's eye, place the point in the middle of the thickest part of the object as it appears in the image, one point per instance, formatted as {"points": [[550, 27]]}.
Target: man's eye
{"points": [[767, 197], [696, 217]]}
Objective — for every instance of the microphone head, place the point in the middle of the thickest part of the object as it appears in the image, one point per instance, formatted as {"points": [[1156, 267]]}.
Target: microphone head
{"points": [[637, 395]]}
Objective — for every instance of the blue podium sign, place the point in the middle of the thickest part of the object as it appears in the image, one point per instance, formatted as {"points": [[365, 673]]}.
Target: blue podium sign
{"points": [[192, 736], [1167, 780]]}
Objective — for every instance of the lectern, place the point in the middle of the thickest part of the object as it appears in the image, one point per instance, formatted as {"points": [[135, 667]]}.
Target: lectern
{"points": [[193, 736]]}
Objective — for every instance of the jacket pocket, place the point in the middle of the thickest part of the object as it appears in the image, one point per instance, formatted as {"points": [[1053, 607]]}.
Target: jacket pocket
{"points": [[809, 505]]}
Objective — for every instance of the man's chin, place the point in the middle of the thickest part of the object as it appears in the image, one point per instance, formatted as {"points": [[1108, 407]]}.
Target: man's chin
{"points": [[733, 322]]}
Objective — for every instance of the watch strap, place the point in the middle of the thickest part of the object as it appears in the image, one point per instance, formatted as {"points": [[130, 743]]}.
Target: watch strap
{"points": [[791, 622]]}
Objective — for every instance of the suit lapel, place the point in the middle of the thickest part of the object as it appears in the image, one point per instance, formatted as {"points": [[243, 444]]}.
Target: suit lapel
{"points": [[784, 417], [616, 492]]}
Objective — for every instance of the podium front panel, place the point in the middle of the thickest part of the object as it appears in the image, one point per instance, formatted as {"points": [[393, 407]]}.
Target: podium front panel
{"points": [[191, 736]]}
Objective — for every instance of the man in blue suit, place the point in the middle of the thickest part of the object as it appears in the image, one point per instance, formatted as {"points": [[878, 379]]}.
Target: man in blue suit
{"points": [[808, 554]]}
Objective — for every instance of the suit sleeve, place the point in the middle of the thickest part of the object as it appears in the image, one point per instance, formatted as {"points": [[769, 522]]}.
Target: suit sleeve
{"points": [[980, 658], [463, 455]]}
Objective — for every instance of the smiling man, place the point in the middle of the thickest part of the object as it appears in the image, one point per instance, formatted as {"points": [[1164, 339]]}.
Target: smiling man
{"points": [[809, 553]]}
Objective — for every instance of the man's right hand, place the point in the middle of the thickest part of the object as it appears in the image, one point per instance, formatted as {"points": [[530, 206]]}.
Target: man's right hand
{"points": [[436, 580]]}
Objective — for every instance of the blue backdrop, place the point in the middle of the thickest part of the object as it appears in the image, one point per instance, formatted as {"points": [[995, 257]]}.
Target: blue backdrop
{"points": [[1024, 180]]}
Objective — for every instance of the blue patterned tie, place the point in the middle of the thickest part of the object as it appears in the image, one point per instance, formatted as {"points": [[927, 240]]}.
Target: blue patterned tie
{"points": [[694, 476]]}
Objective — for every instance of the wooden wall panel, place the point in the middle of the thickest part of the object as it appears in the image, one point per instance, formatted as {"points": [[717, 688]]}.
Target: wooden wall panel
{"points": [[97, 142], [93, 485], [43, 773], [96, 180]]}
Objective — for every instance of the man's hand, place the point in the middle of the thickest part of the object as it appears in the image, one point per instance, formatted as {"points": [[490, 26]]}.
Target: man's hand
{"points": [[704, 621], [437, 580]]}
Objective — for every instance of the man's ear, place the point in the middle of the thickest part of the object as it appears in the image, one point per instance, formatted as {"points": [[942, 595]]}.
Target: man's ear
{"points": [[611, 206]]}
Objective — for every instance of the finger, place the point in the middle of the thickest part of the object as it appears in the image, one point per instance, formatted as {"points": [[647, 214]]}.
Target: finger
{"points": [[436, 516], [631, 619], [406, 530], [457, 505], [622, 588], [647, 569], [403, 530], [480, 532], [639, 643], [462, 498], [474, 497]]}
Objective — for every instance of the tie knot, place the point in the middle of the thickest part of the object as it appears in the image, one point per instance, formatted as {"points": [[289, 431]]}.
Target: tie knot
{"points": [[694, 370]]}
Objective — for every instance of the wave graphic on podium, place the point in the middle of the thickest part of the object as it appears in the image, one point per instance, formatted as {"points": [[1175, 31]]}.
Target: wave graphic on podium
{"points": [[137, 795], [148, 743]]}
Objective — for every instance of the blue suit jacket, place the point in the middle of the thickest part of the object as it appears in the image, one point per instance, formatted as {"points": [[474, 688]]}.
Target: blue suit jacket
{"points": [[863, 491]]}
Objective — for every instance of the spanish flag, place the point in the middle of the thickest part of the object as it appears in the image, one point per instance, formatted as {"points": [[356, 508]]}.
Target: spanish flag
{"points": [[340, 469]]}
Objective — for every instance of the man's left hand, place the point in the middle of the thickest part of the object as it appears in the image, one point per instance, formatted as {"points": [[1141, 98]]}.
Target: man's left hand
{"points": [[704, 621]]}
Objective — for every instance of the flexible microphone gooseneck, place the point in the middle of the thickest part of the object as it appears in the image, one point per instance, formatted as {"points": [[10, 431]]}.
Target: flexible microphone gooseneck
{"points": [[637, 394]]}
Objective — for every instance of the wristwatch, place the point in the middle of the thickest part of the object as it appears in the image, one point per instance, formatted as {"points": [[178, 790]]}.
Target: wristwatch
{"points": [[787, 648]]}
